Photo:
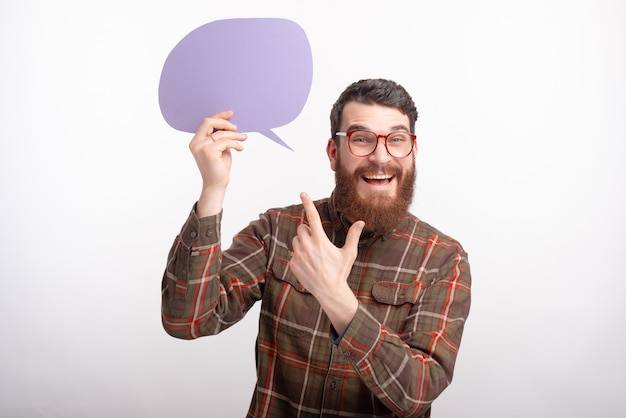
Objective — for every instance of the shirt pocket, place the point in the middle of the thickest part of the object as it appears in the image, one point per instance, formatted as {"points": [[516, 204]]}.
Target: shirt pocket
{"points": [[393, 302], [394, 293], [290, 309]]}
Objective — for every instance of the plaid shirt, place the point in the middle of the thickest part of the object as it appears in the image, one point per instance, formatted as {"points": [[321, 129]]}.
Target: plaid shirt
{"points": [[396, 356]]}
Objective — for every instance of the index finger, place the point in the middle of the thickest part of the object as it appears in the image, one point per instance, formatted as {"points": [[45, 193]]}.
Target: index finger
{"points": [[219, 121], [312, 214]]}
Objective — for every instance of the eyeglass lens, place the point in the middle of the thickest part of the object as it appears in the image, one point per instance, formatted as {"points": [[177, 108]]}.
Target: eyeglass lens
{"points": [[362, 143]]}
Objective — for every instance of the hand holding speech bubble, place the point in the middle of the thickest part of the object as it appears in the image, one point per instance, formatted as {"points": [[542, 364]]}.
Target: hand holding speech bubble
{"points": [[260, 68]]}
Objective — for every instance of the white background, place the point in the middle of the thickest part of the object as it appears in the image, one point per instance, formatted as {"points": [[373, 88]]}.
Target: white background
{"points": [[522, 139]]}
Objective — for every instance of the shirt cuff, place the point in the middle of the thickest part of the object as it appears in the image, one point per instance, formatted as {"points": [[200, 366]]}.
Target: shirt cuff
{"points": [[336, 338], [362, 337], [200, 232]]}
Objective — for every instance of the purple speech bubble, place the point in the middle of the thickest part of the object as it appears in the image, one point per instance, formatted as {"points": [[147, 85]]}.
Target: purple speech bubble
{"points": [[261, 68]]}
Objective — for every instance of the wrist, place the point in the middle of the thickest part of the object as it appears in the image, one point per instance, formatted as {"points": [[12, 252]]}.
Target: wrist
{"points": [[210, 202], [341, 309]]}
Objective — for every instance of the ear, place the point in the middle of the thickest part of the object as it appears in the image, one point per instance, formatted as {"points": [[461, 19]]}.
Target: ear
{"points": [[331, 151]]}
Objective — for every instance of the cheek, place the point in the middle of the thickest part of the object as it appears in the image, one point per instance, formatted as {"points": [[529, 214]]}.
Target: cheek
{"points": [[409, 164], [346, 162]]}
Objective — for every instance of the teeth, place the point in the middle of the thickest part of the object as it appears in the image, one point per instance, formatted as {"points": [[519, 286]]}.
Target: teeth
{"points": [[378, 177]]}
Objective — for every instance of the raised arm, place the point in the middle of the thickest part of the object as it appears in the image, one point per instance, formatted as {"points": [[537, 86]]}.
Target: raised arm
{"points": [[193, 293]]}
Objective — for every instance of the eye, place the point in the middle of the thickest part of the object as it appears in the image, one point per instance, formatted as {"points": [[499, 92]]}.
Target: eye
{"points": [[360, 138], [398, 138]]}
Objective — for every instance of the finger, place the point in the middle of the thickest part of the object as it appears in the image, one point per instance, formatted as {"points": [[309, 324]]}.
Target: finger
{"points": [[303, 230], [217, 122], [295, 243], [231, 141], [354, 234], [312, 215], [222, 124], [225, 114], [218, 135], [216, 140]]}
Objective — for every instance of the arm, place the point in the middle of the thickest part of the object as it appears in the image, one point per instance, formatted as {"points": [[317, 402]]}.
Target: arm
{"points": [[407, 372], [191, 287], [323, 269], [204, 293]]}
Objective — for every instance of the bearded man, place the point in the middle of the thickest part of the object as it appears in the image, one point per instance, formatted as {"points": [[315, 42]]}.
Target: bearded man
{"points": [[362, 304]]}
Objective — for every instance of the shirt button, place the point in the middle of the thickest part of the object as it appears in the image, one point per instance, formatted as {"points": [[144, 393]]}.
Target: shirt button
{"points": [[209, 233], [347, 354], [193, 234]]}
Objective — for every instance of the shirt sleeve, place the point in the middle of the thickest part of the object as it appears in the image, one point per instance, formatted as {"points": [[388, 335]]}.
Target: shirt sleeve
{"points": [[199, 294], [407, 373]]}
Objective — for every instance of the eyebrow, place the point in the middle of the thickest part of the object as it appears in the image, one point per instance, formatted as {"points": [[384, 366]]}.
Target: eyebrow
{"points": [[365, 128]]}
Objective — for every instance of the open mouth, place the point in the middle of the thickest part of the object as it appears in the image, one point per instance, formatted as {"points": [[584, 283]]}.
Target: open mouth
{"points": [[378, 179]]}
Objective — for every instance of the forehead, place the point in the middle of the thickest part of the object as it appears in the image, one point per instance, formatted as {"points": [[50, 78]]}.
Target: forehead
{"points": [[373, 117]]}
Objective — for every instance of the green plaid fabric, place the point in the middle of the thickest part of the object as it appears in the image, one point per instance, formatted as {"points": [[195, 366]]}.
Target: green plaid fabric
{"points": [[394, 359]]}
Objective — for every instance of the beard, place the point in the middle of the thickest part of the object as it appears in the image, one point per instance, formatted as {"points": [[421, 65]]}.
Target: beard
{"points": [[381, 213]]}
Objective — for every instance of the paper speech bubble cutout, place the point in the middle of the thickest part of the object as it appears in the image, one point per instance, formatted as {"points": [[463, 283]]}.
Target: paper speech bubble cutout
{"points": [[261, 68]]}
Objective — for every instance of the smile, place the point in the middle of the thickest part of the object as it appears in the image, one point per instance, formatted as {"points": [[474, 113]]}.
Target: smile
{"points": [[378, 178]]}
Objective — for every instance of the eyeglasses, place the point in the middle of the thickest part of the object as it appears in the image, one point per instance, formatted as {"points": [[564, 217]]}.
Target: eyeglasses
{"points": [[399, 144]]}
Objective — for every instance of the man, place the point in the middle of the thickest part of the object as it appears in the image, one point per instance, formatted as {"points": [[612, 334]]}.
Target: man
{"points": [[362, 304]]}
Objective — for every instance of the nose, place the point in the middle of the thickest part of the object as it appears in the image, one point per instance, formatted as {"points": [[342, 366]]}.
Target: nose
{"points": [[380, 155]]}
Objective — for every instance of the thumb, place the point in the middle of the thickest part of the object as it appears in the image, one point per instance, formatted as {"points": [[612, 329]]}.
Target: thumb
{"points": [[354, 233]]}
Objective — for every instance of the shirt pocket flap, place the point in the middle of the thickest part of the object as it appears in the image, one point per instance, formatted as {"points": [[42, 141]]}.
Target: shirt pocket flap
{"points": [[393, 293], [282, 272]]}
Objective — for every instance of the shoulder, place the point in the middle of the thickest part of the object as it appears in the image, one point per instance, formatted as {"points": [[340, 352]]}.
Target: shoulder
{"points": [[297, 209], [424, 232], [289, 217]]}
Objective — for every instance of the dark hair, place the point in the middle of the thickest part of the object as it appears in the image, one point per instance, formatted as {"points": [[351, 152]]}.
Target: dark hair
{"points": [[374, 91]]}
